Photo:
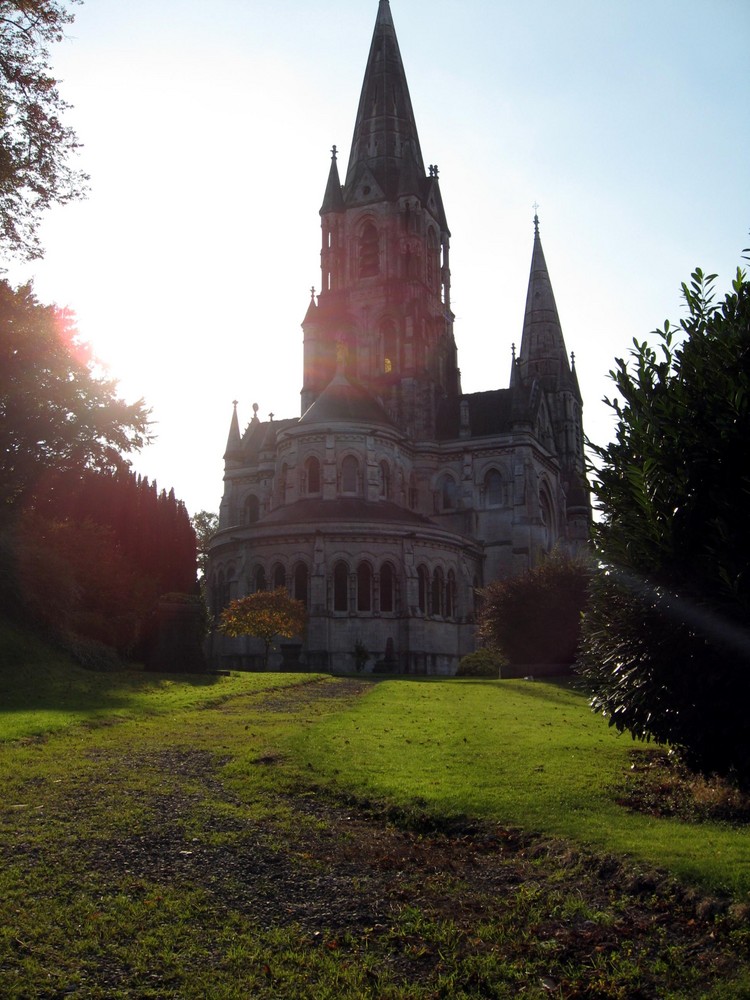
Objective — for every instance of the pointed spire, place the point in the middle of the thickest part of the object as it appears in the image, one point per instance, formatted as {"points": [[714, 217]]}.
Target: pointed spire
{"points": [[312, 309], [385, 120], [234, 441], [543, 353], [333, 200]]}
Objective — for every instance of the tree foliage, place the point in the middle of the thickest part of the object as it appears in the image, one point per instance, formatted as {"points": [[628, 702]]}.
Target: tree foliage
{"points": [[35, 145], [536, 617], [93, 554], [56, 414], [665, 643], [205, 525], [265, 615]]}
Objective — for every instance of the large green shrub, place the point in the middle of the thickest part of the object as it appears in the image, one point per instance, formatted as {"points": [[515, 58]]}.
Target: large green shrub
{"points": [[535, 618], [481, 663], [665, 645]]}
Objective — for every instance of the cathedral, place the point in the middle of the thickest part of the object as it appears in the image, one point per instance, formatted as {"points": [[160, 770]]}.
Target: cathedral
{"points": [[395, 496]]}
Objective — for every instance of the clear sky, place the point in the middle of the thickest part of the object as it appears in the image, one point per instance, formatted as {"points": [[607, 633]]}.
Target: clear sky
{"points": [[207, 129]]}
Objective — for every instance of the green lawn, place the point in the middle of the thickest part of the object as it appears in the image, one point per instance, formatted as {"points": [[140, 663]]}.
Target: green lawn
{"points": [[132, 853], [526, 753]]}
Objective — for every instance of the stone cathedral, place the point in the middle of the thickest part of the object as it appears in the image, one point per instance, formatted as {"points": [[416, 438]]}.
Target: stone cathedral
{"points": [[395, 495]]}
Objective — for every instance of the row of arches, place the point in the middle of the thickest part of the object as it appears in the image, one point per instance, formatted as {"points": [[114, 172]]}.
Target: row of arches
{"points": [[494, 492], [361, 589]]}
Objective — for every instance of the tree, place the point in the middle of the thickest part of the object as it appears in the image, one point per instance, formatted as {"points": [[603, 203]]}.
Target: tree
{"points": [[666, 648], [205, 525], [535, 618], [35, 145], [56, 414], [265, 615]]}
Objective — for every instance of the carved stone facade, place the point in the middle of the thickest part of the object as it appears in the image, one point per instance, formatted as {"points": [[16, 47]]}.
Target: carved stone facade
{"points": [[395, 495]]}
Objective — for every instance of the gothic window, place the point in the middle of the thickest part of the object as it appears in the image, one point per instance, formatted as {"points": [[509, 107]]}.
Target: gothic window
{"points": [[447, 493], [364, 587], [432, 259], [300, 583], [349, 475], [312, 473], [259, 578], [424, 586], [369, 251], [341, 587], [252, 509], [390, 346], [450, 595], [278, 576], [545, 513], [385, 481], [493, 488], [413, 492], [387, 589], [438, 592]]}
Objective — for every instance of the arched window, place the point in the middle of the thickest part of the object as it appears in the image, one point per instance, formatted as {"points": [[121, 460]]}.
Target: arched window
{"points": [[341, 587], [278, 576], [413, 492], [252, 509], [364, 587], [259, 578], [350, 475], [493, 488], [390, 346], [369, 251], [283, 481], [385, 481], [545, 513], [424, 586], [433, 261], [450, 595], [387, 588], [438, 592], [300, 583], [447, 493], [312, 475]]}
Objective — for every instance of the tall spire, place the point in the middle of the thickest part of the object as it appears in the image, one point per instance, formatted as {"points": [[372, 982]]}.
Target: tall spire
{"points": [[385, 119], [234, 441], [543, 354], [333, 200]]}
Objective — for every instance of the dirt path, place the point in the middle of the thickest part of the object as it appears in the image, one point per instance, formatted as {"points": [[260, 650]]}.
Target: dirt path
{"points": [[478, 905]]}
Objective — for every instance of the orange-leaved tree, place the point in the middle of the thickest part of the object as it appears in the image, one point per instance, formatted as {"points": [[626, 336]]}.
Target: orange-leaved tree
{"points": [[264, 615]]}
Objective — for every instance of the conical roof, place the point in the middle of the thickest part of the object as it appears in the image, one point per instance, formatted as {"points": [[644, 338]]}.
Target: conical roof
{"points": [[543, 354], [234, 441], [345, 401], [385, 119], [333, 200]]}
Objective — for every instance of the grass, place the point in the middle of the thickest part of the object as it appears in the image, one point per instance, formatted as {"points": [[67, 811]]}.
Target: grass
{"points": [[195, 848], [529, 754], [43, 691]]}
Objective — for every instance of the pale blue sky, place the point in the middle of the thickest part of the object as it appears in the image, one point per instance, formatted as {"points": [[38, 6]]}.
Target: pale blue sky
{"points": [[207, 131]]}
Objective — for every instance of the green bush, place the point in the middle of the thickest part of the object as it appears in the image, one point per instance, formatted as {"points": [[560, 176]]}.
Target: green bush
{"points": [[666, 647], [481, 663], [536, 617]]}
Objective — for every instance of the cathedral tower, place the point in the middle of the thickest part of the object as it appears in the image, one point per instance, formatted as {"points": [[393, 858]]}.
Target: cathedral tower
{"points": [[384, 301]]}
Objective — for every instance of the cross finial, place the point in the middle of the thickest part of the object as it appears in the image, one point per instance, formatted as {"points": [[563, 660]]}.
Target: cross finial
{"points": [[312, 291], [334, 151], [573, 360], [535, 206], [270, 417]]}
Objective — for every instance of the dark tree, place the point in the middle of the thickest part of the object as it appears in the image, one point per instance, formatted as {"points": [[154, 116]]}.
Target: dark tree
{"points": [[666, 646], [35, 145], [535, 618], [56, 414]]}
